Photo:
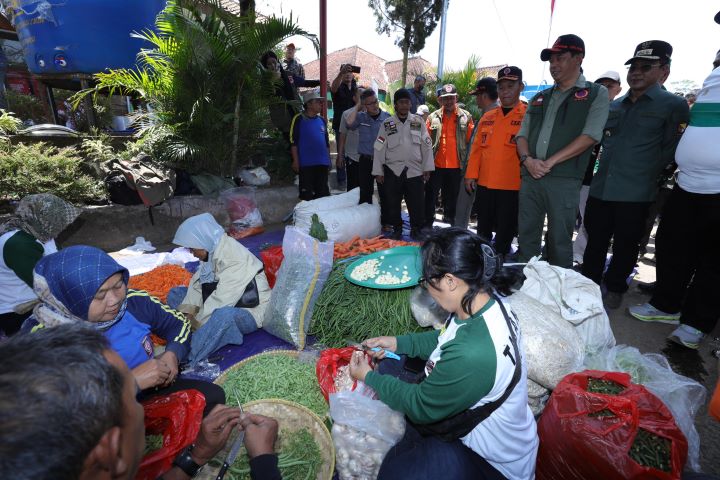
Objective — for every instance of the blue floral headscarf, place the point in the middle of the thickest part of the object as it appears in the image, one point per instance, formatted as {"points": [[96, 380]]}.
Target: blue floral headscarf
{"points": [[66, 283]]}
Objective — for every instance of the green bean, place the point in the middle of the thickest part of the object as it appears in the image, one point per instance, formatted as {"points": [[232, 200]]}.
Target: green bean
{"points": [[275, 376], [344, 310], [606, 387], [651, 450], [299, 458], [152, 443]]}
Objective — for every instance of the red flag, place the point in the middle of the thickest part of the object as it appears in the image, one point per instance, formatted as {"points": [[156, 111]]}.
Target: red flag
{"points": [[552, 7]]}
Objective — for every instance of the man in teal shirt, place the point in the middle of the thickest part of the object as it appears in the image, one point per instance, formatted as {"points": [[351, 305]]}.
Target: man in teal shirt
{"points": [[641, 135], [554, 144]]}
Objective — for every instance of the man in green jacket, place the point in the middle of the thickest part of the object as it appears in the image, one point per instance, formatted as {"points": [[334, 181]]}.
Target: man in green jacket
{"points": [[642, 132], [554, 144]]}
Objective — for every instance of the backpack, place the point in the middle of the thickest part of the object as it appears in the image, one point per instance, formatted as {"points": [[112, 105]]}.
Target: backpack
{"points": [[152, 183]]}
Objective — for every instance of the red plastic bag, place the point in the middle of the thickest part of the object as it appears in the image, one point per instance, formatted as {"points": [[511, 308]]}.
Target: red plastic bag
{"points": [[327, 365], [177, 417], [714, 407], [272, 258], [575, 445]]}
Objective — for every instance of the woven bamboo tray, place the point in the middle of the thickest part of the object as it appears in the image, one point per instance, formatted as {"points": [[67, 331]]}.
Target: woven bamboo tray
{"points": [[290, 417]]}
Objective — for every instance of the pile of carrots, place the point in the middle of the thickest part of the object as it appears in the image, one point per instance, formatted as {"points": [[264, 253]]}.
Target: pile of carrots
{"points": [[158, 281], [359, 246]]}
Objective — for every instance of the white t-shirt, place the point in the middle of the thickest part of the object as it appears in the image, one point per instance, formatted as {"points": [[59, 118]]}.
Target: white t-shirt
{"points": [[698, 153], [507, 439]]}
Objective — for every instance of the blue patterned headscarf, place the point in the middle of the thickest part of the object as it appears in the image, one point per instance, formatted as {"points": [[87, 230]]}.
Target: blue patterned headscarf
{"points": [[66, 283]]}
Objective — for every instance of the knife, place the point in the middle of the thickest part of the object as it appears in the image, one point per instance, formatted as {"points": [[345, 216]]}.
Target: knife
{"points": [[234, 450]]}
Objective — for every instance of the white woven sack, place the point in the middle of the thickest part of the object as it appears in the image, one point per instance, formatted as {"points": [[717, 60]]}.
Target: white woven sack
{"points": [[552, 347]]}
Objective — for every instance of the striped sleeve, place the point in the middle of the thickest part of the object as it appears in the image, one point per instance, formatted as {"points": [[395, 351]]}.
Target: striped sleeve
{"points": [[295, 128], [164, 322]]}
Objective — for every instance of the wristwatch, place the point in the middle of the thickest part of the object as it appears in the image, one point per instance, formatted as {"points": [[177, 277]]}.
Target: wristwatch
{"points": [[523, 157], [185, 462]]}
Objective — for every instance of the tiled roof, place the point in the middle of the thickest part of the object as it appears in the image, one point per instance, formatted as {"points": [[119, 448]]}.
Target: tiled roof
{"points": [[371, 66], [416, 66], [490, 71], [232, 6]]}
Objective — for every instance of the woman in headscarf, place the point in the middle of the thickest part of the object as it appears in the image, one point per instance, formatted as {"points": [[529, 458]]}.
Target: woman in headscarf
{"points": [[24, 239], [82, 284], [229, 275]]}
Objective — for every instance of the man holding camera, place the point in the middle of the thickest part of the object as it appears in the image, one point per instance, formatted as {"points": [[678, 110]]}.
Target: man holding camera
{"points": [[343, 89]]}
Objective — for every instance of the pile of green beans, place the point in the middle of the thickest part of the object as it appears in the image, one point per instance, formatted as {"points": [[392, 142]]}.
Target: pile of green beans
{"points": [[607, 387], [152, 443], [650, 450], [346, 311], [299, 458], [275, 376]]}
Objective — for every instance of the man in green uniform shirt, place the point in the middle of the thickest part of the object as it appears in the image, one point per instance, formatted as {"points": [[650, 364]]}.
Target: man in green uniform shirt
{"points": [[554, 144], [641, 135]]}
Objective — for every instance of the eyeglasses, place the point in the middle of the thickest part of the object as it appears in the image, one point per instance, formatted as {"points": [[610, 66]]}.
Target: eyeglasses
{"points": [[643, 68], [374, 102]]}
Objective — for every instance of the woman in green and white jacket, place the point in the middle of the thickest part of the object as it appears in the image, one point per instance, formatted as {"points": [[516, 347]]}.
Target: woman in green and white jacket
{"points": [[468, 417], [27, 236]]}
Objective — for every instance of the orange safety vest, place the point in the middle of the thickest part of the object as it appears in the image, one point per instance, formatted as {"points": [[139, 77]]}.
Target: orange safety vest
{"points": [[493, 161], [450, 136]]}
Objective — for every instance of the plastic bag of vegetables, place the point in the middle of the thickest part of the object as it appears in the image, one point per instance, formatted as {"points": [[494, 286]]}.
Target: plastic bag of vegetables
{"points": [[363, 431], [304, 270]]}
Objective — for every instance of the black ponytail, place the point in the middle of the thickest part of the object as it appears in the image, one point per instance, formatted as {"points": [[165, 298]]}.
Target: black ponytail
{"points": [[471, 259]]}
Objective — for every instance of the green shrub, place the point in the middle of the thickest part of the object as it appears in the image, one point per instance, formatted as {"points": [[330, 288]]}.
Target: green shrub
{"points": [[98, 153], [8, 122], [28, 107], [41, 168]]}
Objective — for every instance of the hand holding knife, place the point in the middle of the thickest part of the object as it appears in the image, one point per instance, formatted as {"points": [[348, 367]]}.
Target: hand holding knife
{"points": [[234, 450]]}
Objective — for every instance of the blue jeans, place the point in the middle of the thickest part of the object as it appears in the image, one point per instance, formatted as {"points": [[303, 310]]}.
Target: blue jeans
{"points": [[417, 458]]}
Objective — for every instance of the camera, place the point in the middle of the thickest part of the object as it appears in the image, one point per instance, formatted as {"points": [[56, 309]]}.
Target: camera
{"points": [[353, 67]]}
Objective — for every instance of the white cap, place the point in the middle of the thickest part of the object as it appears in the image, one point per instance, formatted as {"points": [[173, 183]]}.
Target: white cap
{"points": [[311, 95], [611, 74], [422, 109]]}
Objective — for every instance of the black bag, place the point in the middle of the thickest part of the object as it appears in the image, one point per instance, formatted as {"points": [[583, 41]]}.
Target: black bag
{"points": [[250, 297], [119, 191]]}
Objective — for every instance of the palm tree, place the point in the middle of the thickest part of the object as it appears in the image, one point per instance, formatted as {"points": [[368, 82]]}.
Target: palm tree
{"points": [[464, 80], [206, 94]]}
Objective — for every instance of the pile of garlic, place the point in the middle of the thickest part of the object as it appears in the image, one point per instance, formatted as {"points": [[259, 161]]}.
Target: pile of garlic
{"points": [[343, 381], [366, 270], [358, 455]]}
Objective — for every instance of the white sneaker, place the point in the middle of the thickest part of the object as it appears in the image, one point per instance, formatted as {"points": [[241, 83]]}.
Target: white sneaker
{"points": [[687, 336], [648, 313]]}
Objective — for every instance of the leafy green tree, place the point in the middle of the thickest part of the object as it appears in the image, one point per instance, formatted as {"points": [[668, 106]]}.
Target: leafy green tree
{"points": [[206, 94], [414, 19]]}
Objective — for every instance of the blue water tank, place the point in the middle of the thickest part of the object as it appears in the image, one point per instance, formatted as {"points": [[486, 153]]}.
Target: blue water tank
{"points": [[81, 36]]}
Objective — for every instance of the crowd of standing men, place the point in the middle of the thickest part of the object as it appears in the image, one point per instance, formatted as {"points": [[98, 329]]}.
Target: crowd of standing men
{"points": [[530, 170]]}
